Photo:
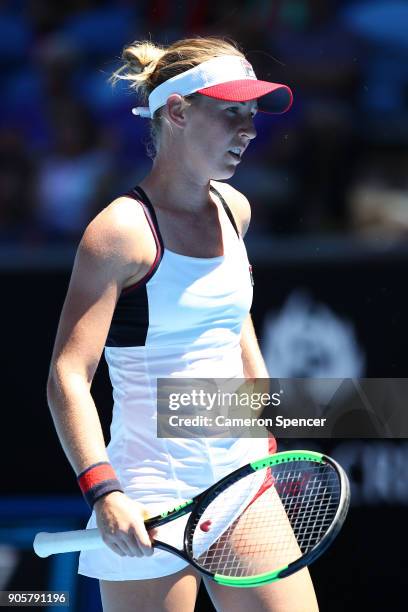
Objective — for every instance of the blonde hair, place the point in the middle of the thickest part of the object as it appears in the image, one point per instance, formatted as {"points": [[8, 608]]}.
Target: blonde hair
{"points": [[146, 65]]}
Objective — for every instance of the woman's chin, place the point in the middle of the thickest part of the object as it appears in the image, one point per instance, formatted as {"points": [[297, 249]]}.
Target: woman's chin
{"points": [[224, 174]]}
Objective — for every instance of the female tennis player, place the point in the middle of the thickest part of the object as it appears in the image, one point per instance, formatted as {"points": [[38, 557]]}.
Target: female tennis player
{"points": [[162, 281]]}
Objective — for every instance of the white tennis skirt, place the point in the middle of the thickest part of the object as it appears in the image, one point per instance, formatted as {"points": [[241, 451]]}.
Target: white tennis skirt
{"points": [[105, 564]]}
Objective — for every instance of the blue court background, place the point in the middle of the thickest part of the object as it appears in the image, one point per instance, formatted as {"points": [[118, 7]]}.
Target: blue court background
{"points": [[329, 190]]}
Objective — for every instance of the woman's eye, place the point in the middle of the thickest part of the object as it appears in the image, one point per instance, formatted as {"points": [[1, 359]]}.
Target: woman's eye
{"points": [[235, 110]]}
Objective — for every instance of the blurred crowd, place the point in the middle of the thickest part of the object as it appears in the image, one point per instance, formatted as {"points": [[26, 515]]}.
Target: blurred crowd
{"points": [[336, 163]]}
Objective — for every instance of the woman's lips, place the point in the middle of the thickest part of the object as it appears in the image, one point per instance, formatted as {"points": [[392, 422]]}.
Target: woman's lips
{"points": [[235, 156]]}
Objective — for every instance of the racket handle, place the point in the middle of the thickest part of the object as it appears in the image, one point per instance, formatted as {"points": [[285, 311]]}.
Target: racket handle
{"points": [[46, 544]]}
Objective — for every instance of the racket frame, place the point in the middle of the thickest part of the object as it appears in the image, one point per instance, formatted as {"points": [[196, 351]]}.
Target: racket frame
{"points": [[198, 505]]}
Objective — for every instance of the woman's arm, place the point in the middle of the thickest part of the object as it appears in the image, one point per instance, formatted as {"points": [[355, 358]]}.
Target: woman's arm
{"points": [[104, 262], [95, 284], [253, 362]]}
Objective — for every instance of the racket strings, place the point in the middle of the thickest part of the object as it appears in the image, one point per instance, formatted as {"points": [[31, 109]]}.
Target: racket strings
{"points": [[287, 520], [315, 512]]}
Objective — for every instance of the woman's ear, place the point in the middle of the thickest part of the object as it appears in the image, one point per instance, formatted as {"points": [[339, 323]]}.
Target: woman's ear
{"points": [[176, 109]]}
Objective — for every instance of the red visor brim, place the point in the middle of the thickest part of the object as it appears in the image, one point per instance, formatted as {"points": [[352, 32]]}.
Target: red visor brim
{"points": [[272, 98]]}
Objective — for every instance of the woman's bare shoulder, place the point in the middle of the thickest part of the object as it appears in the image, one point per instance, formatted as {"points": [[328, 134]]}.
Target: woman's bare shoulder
{"points": [[118, 229], [237, 202], [117, 246]]}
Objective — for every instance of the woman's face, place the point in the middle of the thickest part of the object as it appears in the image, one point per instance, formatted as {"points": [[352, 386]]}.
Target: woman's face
{"points": [[213, 131]]}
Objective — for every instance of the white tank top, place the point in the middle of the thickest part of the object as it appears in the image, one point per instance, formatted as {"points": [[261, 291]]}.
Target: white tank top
{"points": [[183, 319]]}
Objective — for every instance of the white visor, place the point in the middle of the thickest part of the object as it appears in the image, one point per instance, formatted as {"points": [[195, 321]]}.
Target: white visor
{"points": [[227, 77]]}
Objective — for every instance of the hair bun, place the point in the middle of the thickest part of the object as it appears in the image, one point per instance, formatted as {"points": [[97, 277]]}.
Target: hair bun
{"points": [[142, 56]]}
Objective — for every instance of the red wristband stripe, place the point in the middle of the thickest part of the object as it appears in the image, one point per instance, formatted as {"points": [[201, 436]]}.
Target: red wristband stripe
{"points": [[98, 480], [94, 475]]}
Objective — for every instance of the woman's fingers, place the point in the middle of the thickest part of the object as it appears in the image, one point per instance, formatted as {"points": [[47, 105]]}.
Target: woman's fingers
{"points": [[153, 533], [121, 523], [130, 545], [139, 538], [116, 548]]}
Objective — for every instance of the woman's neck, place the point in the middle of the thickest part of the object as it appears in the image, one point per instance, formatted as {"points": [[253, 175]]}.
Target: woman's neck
{"points": [[170, 185]]}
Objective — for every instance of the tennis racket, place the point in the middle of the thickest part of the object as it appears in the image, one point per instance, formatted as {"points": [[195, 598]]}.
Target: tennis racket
{"points": [[259, 524]]}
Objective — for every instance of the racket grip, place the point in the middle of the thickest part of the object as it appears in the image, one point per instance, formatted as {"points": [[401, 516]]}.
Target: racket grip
{"points": [[46, 544]]}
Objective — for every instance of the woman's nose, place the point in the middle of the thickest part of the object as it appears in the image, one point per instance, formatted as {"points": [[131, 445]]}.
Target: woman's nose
{"points": [[248, 129]]}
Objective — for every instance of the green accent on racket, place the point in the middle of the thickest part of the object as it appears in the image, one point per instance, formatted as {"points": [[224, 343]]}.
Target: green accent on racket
{"points": [[287, 456], [238, 581]]}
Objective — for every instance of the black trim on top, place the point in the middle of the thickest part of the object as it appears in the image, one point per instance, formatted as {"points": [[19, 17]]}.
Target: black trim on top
{"points": [[130, 320], [149, 205], [226, 208], [146, 201]]}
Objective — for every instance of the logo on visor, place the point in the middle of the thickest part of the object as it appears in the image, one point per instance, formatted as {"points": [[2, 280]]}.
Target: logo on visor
{"points": [[247, 68]]}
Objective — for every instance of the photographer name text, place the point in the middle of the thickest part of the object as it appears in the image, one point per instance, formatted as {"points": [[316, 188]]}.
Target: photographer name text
{"points": [[225, 421]]}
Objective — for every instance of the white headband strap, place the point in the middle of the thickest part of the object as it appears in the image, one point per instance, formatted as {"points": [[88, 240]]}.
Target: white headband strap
{"points": [[217, 70]]}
